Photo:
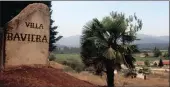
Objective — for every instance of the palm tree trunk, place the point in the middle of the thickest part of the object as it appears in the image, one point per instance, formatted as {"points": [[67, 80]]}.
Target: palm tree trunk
{"points": [[110, 75]]}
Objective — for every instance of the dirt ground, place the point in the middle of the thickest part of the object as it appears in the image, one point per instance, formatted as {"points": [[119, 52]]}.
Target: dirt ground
{"points": [[39, 77], [54, 76], [120, 81], [157, 80]]}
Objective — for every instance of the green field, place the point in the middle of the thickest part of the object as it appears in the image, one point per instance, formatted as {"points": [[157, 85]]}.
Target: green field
{"points": [[72, 60], [63, 57], [60, 57], [68, 57], [147, 58], [75, 63]]}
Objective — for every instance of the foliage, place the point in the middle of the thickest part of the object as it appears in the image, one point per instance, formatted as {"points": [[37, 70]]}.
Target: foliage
{"points": [[160, 63], [155, 64], [131, 73], [157, 52], [144, 70], [67, 50], [147, 63], [140, 71], [90, 69], [167, 58], [71, 60], [166, 54], [10, 9], [74, 64], [52, 57], [146, 54], [53, 36], [105, 44], [135, 49], [68, 69], [147, 58]]}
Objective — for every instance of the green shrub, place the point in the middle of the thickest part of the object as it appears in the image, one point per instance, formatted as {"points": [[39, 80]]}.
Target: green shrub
{"points": [[144, 70], [131, 73], [165, 54], [90, 69], [160, 63], [140, 71], [71, 60], [76, 65], [155, 64], [147, 63], [52, 57], [79, 67], [68, 69], [157, 52]]}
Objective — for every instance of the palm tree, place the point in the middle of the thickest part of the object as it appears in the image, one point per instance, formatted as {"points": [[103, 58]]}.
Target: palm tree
{"points": [[106, 44]]}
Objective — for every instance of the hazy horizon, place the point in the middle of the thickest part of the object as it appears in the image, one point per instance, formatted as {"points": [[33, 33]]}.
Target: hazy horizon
{"points": [[71, 16]]}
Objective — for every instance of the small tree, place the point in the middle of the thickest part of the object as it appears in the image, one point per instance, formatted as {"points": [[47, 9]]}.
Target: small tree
{"points": [[147, 63], [105, 44], [160, 63], [157, 52], [52, 57], [165, 54], [146, 54], [144, 70], [155, 64]]}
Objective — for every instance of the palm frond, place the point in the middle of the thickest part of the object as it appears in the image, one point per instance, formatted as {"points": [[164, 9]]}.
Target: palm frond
{"points": [[109, 54], [99, 41], [119, 57]]}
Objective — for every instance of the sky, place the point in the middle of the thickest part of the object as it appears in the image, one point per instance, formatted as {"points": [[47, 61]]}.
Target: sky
{"points": [[71, 16]]}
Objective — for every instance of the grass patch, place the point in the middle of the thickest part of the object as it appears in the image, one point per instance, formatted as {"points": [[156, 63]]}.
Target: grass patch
{"points": [[147, 58], [63, 57], [72, 60]]}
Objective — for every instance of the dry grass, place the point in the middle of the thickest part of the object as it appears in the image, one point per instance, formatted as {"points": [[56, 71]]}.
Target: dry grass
{"points": [[155, 80], [89, 77], [121, 81], [56, 65], [46, 76]]}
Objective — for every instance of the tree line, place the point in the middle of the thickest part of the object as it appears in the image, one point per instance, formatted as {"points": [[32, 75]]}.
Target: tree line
{"points": [[67, 50]]}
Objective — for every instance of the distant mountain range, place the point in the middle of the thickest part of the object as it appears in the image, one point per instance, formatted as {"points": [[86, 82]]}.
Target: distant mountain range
{"points": [[146, 42]]}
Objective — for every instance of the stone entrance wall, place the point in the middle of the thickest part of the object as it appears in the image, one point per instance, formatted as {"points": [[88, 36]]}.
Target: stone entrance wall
{"points": [[27, 37]]}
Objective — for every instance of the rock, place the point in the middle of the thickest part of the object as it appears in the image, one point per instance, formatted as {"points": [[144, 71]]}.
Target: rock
{"points": [[27, 37]]}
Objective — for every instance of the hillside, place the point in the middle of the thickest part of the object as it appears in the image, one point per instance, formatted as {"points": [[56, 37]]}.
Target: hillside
{"points": [[146, 41]]}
